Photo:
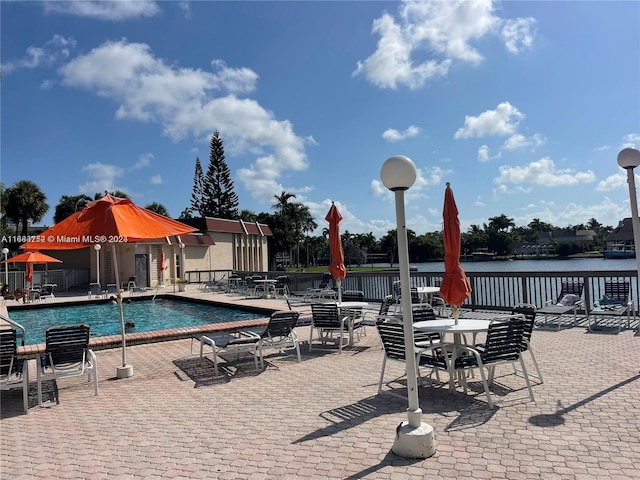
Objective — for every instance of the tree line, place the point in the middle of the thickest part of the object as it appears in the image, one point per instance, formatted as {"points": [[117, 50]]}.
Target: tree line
{"points": [[291, 222]]}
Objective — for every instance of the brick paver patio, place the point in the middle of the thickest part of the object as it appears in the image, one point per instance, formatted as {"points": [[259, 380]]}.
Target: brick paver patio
{"points": [[322, 418]]}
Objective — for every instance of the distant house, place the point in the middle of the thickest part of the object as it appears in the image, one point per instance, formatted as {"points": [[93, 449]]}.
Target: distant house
{"points": [[236, 245], [619, 243]]}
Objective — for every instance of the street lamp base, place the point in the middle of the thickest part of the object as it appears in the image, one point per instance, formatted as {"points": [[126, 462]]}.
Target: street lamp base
{"points": [[124, 371], [414, 442]]}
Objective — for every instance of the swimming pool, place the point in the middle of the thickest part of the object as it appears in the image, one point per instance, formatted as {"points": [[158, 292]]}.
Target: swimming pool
{"points": [[104, 318]]}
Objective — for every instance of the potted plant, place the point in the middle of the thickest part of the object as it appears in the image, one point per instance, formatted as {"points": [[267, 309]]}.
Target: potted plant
{"points": [[182, 284]]}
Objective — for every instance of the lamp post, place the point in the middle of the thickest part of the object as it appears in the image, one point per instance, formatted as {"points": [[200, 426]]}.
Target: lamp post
{"points": [[5, 252], [414, 439], [97, 247], [629, 158]]}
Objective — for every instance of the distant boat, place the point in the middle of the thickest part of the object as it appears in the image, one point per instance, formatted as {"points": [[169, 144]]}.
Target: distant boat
{"points": [[482, 256], [619, 250]]}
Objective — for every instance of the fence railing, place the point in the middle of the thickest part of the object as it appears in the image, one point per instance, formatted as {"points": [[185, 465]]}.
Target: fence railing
{"points": [[490, 290]]}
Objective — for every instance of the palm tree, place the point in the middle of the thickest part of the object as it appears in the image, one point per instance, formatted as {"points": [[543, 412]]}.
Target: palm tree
{"points": [[25, 201], [68, 205], [158, 208]]}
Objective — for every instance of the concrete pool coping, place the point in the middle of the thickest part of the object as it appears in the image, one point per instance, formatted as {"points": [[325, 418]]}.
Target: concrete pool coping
{"points": [[266, 306]]}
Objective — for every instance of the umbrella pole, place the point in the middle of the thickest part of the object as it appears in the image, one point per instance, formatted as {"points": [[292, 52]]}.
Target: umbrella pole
{"points": [[123, 371]]}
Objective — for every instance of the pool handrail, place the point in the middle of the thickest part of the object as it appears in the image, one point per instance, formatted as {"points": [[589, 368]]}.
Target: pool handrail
{"points": [[20, 330]]}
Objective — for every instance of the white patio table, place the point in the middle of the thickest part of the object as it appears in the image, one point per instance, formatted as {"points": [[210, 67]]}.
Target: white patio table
{"points": [[449, 325], [347, 306]]}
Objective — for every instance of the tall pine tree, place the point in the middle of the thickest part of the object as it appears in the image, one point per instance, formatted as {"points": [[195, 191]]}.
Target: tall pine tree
{"points": [[197, 194], [218, 198]]}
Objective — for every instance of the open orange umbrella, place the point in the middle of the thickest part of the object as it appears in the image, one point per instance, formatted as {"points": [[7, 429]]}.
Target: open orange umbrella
{"points": [[455, 286], [336, 267], [30, 258], [109, 220]]}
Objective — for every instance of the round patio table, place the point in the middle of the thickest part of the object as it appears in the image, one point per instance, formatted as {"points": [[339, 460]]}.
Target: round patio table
{"points": [[449, 325]]}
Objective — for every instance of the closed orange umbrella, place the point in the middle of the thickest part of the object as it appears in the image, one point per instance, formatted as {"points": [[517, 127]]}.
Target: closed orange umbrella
{"points": [[110, 220], [455, 286], [336, 267]]}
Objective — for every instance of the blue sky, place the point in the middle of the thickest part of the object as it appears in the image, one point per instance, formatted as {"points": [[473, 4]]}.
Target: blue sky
{"points": [[521, 106]]}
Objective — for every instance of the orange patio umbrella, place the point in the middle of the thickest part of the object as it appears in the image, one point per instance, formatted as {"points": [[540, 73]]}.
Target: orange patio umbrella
{"points": [[109, 220], [336, 267], [30, 258], [455, 286]]}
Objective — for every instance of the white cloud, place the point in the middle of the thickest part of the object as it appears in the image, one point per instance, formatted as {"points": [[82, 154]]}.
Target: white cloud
{"points": [[143, 161], [631, 140], [502, 121], [186, 101], [392, 135], [104, 9], [53, 51], [485, 156], [156, 180], [615, 182], [542, 172], [519, 141], [103, 178], [442, 31], [518, 34]]}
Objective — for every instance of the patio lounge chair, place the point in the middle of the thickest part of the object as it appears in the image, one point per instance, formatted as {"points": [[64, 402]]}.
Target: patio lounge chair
{"points": [[503, 345], [14, 373], [221, 343], [616, 302], [67, 354], [569, 299], [95, 291]]}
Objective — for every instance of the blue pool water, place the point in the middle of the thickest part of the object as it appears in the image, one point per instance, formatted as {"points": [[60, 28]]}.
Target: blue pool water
{"points": [[104, 319]]}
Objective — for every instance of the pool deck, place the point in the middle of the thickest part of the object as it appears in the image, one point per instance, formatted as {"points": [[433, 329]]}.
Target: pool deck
{"points": [[322, 418]]}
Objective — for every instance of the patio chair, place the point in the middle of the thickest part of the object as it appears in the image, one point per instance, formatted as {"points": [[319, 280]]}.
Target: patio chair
{"points": [[67, 354], [327, 319], [16, 295], [112, 289], [95, 291], [391, 331], [615, 303], [14, 373], [279, 334], [529, 312], [371, 318], [227, 343], [569, 299], [46, 292], [503, 345], [282, 285]]}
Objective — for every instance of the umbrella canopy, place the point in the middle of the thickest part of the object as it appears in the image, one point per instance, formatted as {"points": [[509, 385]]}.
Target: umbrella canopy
{"points": [[336, 267], [111, 220], [455, 286], [107, 220], [32, 257]]}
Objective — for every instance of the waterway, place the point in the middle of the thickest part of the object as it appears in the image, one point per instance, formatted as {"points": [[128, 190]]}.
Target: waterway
{"points": [[571, 264]]}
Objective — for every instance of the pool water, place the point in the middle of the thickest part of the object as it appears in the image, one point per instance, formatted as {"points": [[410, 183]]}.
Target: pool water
{"points": [[104, 318]]}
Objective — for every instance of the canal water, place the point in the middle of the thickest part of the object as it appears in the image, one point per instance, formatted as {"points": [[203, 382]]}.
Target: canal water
{"points": [[572, 264]]}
